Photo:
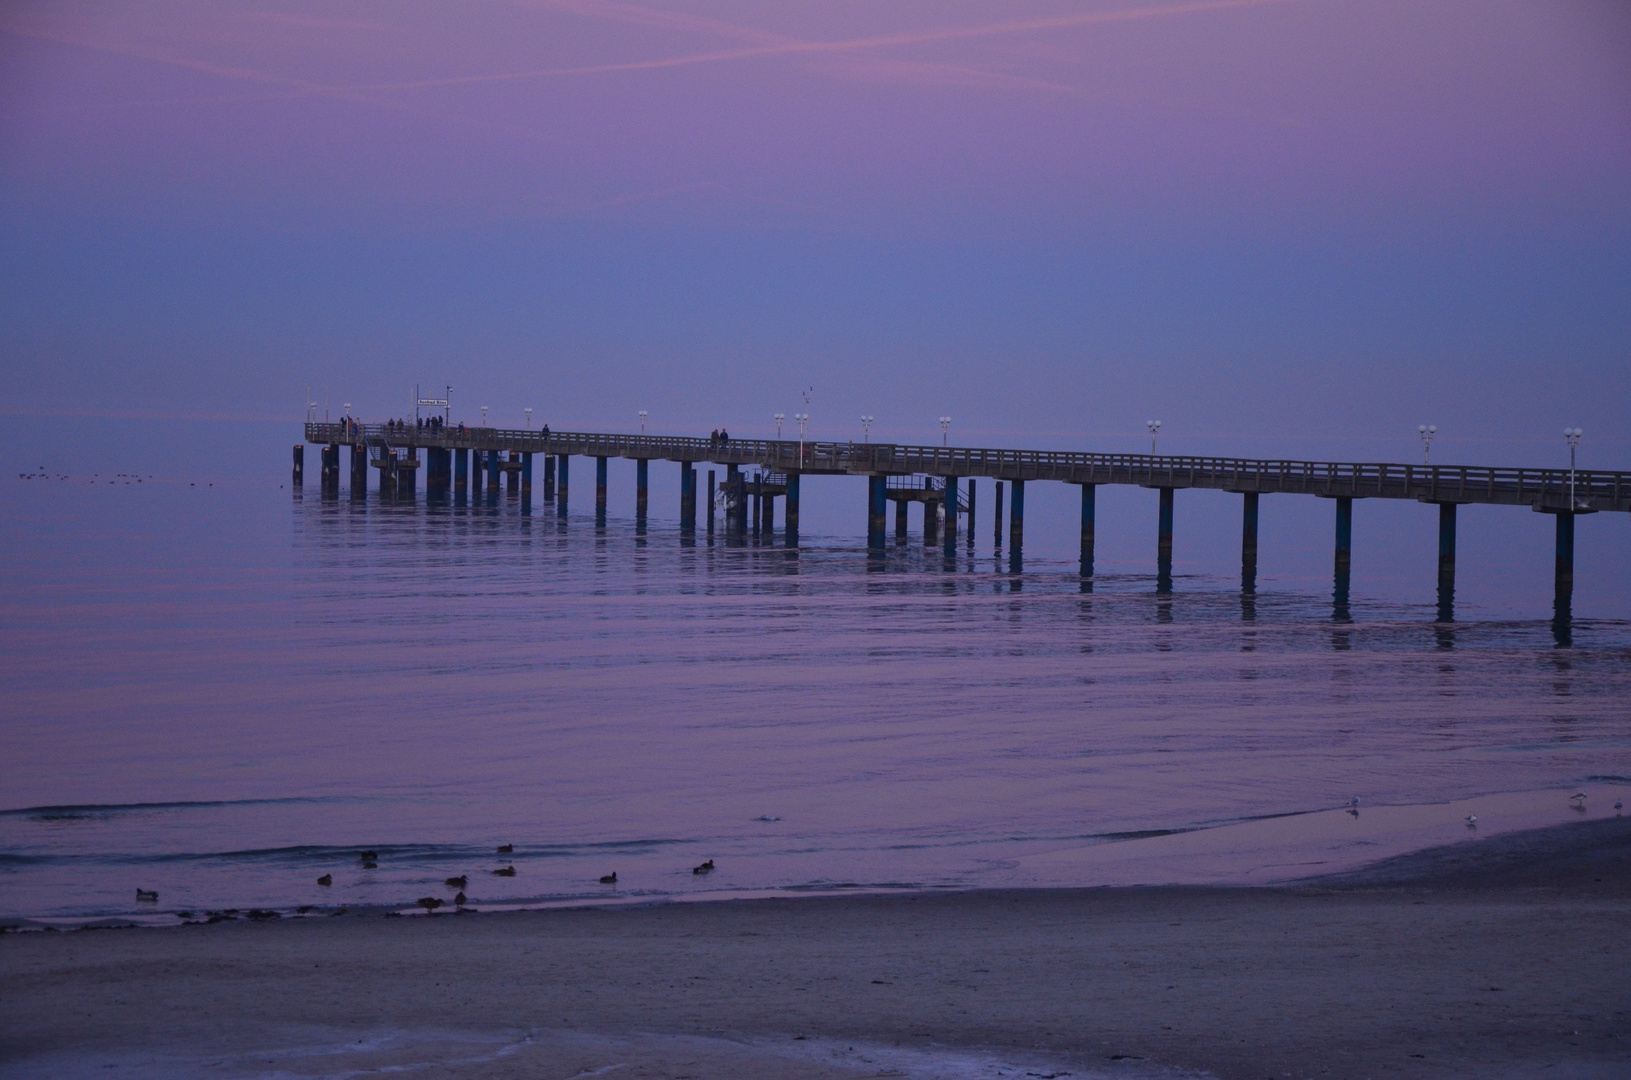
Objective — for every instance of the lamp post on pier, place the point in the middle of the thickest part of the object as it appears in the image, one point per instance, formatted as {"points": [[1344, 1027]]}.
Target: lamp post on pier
{"points": [[642, 423], [804, 421], [1573, 437], [1426, 431], [1155, 429], [945, 426], [779, 417], [866, 429], [484, 416], [528, 411]]}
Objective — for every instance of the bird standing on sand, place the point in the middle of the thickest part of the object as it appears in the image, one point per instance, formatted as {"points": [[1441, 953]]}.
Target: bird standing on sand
{"points": [[1472, 821], [458, 901], [430, 903], [1618, 806], [609, 879], [1353, 803], [326, 879], [1578, 800]]}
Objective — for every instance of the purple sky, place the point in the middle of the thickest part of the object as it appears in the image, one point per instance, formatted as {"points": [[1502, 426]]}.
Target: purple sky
{"points": [[1293, 227]]}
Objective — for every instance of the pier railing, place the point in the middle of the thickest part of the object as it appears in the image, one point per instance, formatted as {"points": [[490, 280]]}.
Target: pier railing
{"points": [[1547, 489]]}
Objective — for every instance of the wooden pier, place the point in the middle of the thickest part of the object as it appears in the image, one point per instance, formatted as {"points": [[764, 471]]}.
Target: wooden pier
{"points": [[456, 457]]}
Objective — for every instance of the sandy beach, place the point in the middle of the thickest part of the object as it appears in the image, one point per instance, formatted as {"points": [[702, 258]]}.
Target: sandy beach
{"points": [[1502, 959]]}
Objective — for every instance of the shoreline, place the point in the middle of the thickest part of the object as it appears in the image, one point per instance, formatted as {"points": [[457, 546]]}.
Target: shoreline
{"points": [[1277, 850], [1494, 960]]}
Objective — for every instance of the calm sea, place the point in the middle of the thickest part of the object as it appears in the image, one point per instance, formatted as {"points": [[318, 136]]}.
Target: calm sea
{"points": [[221, 691]]}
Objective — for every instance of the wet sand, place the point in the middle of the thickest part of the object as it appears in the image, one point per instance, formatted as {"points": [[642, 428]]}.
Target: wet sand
{"points": [[1509, 958]]}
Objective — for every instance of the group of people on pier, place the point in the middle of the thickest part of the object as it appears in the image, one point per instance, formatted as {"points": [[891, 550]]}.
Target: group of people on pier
{"points": [[719, 439]]}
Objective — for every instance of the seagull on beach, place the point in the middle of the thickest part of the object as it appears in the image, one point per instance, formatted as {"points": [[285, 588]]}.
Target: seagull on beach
{"points": [[430, 903], [1618, 806], [458, 901], [1472, 821], [1578, 800]]}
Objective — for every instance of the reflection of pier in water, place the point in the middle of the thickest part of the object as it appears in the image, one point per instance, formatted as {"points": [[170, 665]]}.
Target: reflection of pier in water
{"points": [[468, 462]]}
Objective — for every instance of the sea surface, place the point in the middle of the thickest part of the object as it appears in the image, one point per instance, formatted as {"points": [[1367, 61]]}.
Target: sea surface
{"points": [[222, 691]]}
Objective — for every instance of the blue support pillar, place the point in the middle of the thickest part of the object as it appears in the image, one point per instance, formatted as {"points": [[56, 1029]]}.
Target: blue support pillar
{"points": [[1563, 579], [1163, 544], [949, 541], [526, 474], [549, 477], [792, 525], [1090, 498], [688, 498], [1446, 562], [877, 510], [641, 473], [600, 486], [1016, 517], [492, 473], [1248, 542], [1344, 555], [561, 473], [996, 520]]}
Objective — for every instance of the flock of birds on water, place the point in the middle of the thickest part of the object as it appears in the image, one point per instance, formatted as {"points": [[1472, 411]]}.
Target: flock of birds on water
{"points": [[370, 861], [96, 478]]}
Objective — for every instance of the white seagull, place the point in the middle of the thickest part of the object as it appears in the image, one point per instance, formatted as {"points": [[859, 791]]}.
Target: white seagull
{"points": [[1472, 821]]}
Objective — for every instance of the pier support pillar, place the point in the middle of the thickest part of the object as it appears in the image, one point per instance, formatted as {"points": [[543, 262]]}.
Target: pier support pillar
{"points": [[1090, 500], [299, 475], [407, 478], [688, 498], [492, 473], [549, 477], [331, 469], [512, 477], [931, 522], [712, 502], [971, 513], [1016, 524], [900, 519], [1563, 578], [769, 520], [562, 472], [1446, 562], [641, 469], [1345, 535], [949, 487], [1248, 541], [791, 525], [996, 520], [475, 472], [526, 474], [1344, 556], [1163, 543], [359, 470], [600, 487], [877, 509], [758, 502]]}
